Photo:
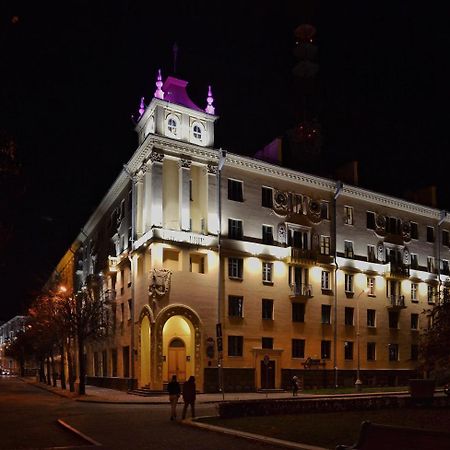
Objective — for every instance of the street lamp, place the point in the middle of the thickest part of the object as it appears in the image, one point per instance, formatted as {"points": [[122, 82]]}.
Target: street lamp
{"points": [[358, 382]]}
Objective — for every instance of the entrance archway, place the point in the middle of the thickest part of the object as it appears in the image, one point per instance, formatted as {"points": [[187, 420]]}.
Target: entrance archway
{"points": [[176, 364], [145, 351]]}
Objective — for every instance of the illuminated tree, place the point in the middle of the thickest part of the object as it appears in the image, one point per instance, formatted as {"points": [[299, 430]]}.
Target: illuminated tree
{"points": [[435, 342]]}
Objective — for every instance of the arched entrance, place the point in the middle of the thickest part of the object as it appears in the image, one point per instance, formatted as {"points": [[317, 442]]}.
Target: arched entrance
{"points": [[145, 351], [176, 364]]}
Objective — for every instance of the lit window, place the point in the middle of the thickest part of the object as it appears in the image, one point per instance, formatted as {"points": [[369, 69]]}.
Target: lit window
{"points": [[324, 245], [371, 285], [414, 287], [431, 293], [348, 249]]}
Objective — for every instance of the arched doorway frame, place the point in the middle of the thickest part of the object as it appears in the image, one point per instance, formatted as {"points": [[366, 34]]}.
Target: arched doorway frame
{"points": [[147, 312], [161, 319]]}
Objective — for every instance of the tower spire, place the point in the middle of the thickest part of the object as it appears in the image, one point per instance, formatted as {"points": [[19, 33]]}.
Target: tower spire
{"points": [[159, 93], [210, 108], [141, 107]]}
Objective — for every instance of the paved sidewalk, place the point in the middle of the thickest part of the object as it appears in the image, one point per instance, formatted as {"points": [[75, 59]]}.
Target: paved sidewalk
{"points": [[96, 394]]}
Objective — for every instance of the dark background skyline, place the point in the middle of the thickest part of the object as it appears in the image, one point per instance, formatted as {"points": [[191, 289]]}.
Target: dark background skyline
{"points": [[71, 78]]}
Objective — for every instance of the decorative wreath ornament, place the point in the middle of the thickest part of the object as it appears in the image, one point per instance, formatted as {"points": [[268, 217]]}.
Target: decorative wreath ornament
{"points": [[380, 222], [160, 282]]}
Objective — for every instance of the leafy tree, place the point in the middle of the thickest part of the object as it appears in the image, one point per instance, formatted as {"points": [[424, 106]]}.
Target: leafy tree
{"points": [[435, 342], [21, 349]]}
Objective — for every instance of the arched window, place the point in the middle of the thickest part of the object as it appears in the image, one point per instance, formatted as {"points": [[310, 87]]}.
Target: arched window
{"points": [[197, 132], [172, 126]]}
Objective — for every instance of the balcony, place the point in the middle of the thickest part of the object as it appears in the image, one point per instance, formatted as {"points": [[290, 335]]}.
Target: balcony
{"points": [[301, 290], [396, 302], [399, 270], [300, 255]]}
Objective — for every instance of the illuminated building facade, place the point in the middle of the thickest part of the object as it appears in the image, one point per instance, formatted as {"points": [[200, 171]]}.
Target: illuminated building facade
{"points": [[305, 275], [8, 332]]}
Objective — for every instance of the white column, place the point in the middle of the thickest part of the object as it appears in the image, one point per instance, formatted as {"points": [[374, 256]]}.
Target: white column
{"points": [[139, 189], [184, 194], [147, 212], [213, 223], [157, 189]]}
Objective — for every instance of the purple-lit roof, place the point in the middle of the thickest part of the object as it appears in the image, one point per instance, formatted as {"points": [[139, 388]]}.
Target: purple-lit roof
{"points": [[175, 92]]}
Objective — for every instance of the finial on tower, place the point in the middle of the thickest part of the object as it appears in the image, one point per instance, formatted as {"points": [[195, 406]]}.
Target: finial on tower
{"points": [[159, 93], [141, 108], [210, 108]]}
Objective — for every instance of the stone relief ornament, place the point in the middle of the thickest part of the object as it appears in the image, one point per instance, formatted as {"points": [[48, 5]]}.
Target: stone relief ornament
{"points": [[380, 251], [156, 157], [406, 256], [406, 231], [282, 233], [280, 203], [212, 169], [380, 222], [160, 282], [185, 163]]}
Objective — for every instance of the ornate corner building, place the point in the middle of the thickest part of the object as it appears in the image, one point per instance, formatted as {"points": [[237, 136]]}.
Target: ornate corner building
{"points": [[305, 275]]}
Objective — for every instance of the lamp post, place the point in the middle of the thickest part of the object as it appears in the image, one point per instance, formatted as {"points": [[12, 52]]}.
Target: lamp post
{"points": [[358, 382]]}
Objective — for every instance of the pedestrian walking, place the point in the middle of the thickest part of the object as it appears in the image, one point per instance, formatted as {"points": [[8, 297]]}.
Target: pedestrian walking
{"points": [[174, 394], [189, 395], [294, 385]]}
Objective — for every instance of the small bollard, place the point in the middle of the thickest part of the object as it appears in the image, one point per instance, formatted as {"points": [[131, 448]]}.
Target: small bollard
{"points": [[358, 385]]}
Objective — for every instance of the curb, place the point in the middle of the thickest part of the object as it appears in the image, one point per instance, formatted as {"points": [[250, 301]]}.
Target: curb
{"points": [[79, 434], [251, 436]]}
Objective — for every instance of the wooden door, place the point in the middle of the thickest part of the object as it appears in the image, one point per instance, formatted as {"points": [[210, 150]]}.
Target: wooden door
{"points": [[177, 360], [268, 375]]}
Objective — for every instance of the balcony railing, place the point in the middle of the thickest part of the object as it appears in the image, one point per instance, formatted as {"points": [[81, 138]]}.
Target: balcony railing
{"points": [[396, 302], [301, 290], [302, 254], [399, 269]]}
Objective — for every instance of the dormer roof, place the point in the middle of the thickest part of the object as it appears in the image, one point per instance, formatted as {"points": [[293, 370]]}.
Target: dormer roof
{"points": [[175, 92]]}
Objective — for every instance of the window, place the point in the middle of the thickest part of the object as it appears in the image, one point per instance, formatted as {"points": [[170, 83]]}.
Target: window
{"points": [[197, 263], [414, 261], [267, 342], [371, 351], [349, 316], [267, 197], [445, 238], [235, 345], [414, 231], [235, 229], [267, 269], [298, 348], [126, 361], [298, 312], [348, 350], [235, 306], [349, 282], [431, 264], [393, 352], [235, 268], [235, 191], [414, 321], [325, 280], [431, 293], [371, 316], [114, 362], [348, 249], [129, 309], [393, 319], [298, 238], [324, 210], [326, 314], [445, 267], [371, 255], [370, 219], [414, 287], [414, 352], [197, 132], [267, 234], [324, 245], [297, 203], [122, 313], [325, 349], [348, 215], [267, 309], [371, 286], [430, 234], [172, 126]]}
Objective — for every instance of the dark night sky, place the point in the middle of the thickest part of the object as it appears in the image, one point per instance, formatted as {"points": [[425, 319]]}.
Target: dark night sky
{"points": [[72, 74]]}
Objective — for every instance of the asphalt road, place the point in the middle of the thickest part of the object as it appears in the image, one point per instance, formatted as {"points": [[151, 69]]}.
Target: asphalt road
{"points": [[28, 420]]}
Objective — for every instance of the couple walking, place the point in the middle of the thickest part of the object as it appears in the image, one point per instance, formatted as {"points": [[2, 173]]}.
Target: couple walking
{"points": [[188, 396]]}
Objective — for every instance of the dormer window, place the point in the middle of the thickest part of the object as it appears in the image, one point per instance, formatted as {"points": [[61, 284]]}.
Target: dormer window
{"points": [[172, 126], [197, 133]]}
